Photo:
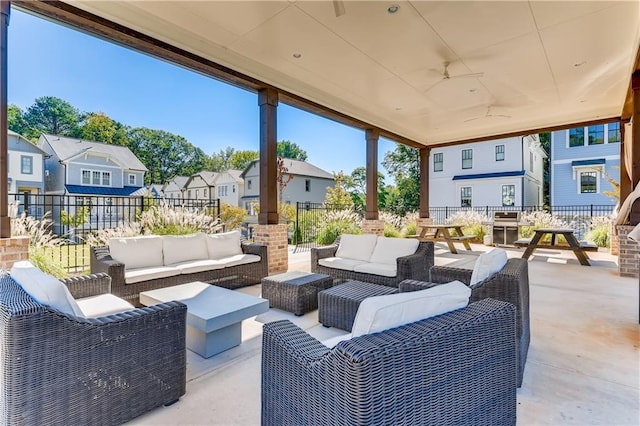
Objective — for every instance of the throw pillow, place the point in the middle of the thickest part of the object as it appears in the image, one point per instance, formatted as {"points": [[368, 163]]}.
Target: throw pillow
{"points": [[356, 247], [137, 252], [224, 244], [488, 264], [388, 250], [181, 248]]}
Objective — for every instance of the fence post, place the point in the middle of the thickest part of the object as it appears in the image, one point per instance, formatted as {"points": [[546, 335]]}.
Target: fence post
{"points": [[295, 230], [26, 194], [591, 210], [218, 207]]}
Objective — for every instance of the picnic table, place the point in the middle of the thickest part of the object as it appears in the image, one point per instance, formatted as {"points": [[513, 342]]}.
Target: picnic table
{"points": [[579, 248], [442, 233]]}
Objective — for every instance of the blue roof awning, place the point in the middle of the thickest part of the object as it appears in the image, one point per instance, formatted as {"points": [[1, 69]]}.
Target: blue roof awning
{"points": [[588, 162], [490, 175], [102, 190]]}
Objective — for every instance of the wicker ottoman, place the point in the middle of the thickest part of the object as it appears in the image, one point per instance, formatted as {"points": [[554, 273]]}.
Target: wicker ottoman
{"points": [[337, 306], [295, 291]]}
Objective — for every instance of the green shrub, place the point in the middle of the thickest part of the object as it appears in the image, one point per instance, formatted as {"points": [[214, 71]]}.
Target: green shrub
{"points": [[599, 231], [332, 230], [391, 231], [170, 220], [40, 240], [232, 216], [471, 223]]}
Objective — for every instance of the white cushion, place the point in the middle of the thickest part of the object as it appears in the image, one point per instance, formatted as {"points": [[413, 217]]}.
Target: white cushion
{"points": [[340, 263], [488, 264], [137, 252], [102, 305], [180, 248], [381, 313], [383, 269], [194, 266], [44, 288], [357, 247], [388, 250], [223, 244], [132, 276], [240, 259], [635, 233]]}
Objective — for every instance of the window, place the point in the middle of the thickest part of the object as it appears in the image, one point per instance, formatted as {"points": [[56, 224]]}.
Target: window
{"points": [[508, 195], [222, 191], [197, 194], [467, 158], [531, 158], [576, 137], [189, 194], [86, 177], [132, 179], [588, 182], [249, 184], [233, 189], [596, 134], [95, 177], [499, 152], [205, 193], [307, 185], [465, 196], [438, 162], [26, 164], [613, 132], [106, 178]]}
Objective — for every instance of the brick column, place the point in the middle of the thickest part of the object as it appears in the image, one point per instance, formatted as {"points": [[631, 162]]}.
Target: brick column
{"points": [[275, 238], [373, 226], [613, 241], [13, 250], [628, 253]]}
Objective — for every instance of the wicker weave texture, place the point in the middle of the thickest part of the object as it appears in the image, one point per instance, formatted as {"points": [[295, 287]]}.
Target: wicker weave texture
{"points": [[511, 284], [230, 277], [63, 370], [415, 266], [454, 369], [337, 306], [295, 291]]}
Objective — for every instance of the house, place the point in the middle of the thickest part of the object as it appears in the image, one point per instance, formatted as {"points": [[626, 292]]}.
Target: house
{"points": [[200, 186], [155, 190], [229, 187], [308, 183], [174, 189], [582, 161], [504, 172], [25, 169]]}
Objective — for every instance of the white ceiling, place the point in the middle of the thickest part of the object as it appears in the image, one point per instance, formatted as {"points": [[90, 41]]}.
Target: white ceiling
{"points": [[543, 63]]}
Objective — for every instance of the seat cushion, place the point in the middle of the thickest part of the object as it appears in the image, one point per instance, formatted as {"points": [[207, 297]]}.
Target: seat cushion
{"points": [[240, 259], [137, 252], [132, 276], [381, 313], [388, 250], [223, 244], [383, 269], [488, 263], [340, 263], [181, 248], [102, 305], [44, 288], [195, 266], [356, 247]]}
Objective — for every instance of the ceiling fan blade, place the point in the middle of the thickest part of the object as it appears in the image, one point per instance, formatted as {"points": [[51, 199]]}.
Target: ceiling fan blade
{"points": [[338, 8], [472, 119], [469, 75]]}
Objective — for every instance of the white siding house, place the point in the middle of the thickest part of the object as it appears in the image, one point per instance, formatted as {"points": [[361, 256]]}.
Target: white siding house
{"points": [[504, 172], [174, 188], [25, 165], [229, 187], [200, 187]]}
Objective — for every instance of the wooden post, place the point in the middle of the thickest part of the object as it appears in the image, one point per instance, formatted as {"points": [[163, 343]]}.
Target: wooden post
{"points": [[268, 101], [372, 136], [5, 220], [625, 181], [635, 130], [424, 182]]}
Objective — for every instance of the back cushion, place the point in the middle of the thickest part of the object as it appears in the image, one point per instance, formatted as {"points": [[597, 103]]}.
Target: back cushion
{"points": [[224, 244], [137, 252], [181, 248], [357, 247], [488, 264], [389, 249], [44, 288], [381, 313]]}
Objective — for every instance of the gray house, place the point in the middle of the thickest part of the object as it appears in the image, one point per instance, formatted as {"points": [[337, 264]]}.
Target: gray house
{"points": [[25, 171], [174, 188]]}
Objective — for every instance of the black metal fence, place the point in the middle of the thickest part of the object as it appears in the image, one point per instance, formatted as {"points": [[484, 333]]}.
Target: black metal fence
{"points": [[74, 217]]}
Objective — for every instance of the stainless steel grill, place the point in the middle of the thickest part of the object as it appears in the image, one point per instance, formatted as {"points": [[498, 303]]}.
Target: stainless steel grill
{"points": [[506, 228]]}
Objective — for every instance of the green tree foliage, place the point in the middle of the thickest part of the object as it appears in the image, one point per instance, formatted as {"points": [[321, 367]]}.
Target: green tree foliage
{"points": [[288, 149], [80, 218], [15, 120], [404, 197], [403, 164], [338, 197], [229, 158], [165, 154], [545, 142], [232, 216], [241, 159], [53, 116], [356, 184], [98, 127]]}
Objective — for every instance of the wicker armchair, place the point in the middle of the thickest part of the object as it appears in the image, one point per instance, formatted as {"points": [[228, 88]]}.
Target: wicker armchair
{"points": [[456, 368], [511, 284], [415, 266], [57, 369]]}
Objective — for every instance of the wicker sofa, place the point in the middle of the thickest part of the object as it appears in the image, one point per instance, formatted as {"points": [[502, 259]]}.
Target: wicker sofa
{"points": [[61, 369], [456, 368], [221, 259], [510, 284], [377, 260]]}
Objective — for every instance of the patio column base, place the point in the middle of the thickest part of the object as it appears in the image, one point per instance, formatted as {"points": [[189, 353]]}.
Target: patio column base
{"points": [[628, 252], [275, 238], [613, 241], [373, 226], [13, 250]]}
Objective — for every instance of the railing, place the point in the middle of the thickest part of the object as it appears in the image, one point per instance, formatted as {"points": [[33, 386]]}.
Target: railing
{"points": [[309, 218], [74, 217]]}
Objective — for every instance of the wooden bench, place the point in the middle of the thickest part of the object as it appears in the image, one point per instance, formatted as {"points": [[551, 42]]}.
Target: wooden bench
{"points": [[584, 245]]}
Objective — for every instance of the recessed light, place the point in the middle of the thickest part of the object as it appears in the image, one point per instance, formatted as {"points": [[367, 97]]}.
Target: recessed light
{"points": [[297, 55], [393, 8]]}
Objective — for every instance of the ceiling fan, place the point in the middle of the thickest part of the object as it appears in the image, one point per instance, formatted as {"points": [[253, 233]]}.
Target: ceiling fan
{"points": [[488, 114], [338, 8], [446, 76]]}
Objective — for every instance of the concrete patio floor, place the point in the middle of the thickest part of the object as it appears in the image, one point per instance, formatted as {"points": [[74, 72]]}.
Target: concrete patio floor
{"points": [[583, 366]]}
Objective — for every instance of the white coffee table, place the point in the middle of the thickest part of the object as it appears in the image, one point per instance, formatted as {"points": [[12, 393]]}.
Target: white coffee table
{"points": [[214, 314]]}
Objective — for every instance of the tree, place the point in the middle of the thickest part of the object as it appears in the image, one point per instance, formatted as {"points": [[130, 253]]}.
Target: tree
{"points": [[288, 149], [221, 161], [15, 120], [404, 164], [338, 197], [53, 116], [545, 142], [282, 177], [356, 183], [241, 159], [98, 127]]}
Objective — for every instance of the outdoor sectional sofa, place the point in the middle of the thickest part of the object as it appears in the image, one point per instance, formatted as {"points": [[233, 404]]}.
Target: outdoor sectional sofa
{"points": [[138, 264], [374, 259]]}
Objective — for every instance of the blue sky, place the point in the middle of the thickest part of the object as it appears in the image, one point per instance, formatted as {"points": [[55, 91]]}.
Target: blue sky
{"points": [[47, 59]]}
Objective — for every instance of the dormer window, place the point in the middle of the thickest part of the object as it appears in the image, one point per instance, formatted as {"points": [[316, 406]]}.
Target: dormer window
{"points": [[132, 179], [95, 178]]}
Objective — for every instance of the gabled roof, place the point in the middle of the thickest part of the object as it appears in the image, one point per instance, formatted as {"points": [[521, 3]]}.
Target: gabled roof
{"points": [[236, 175], [178, 181], [207, 176], [26, 141], [298, 168], [66, 149]]}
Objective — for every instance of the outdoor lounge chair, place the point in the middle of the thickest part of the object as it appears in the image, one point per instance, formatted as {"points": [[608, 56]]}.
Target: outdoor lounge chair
{"points": [[61, 369], [455, 368]]}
